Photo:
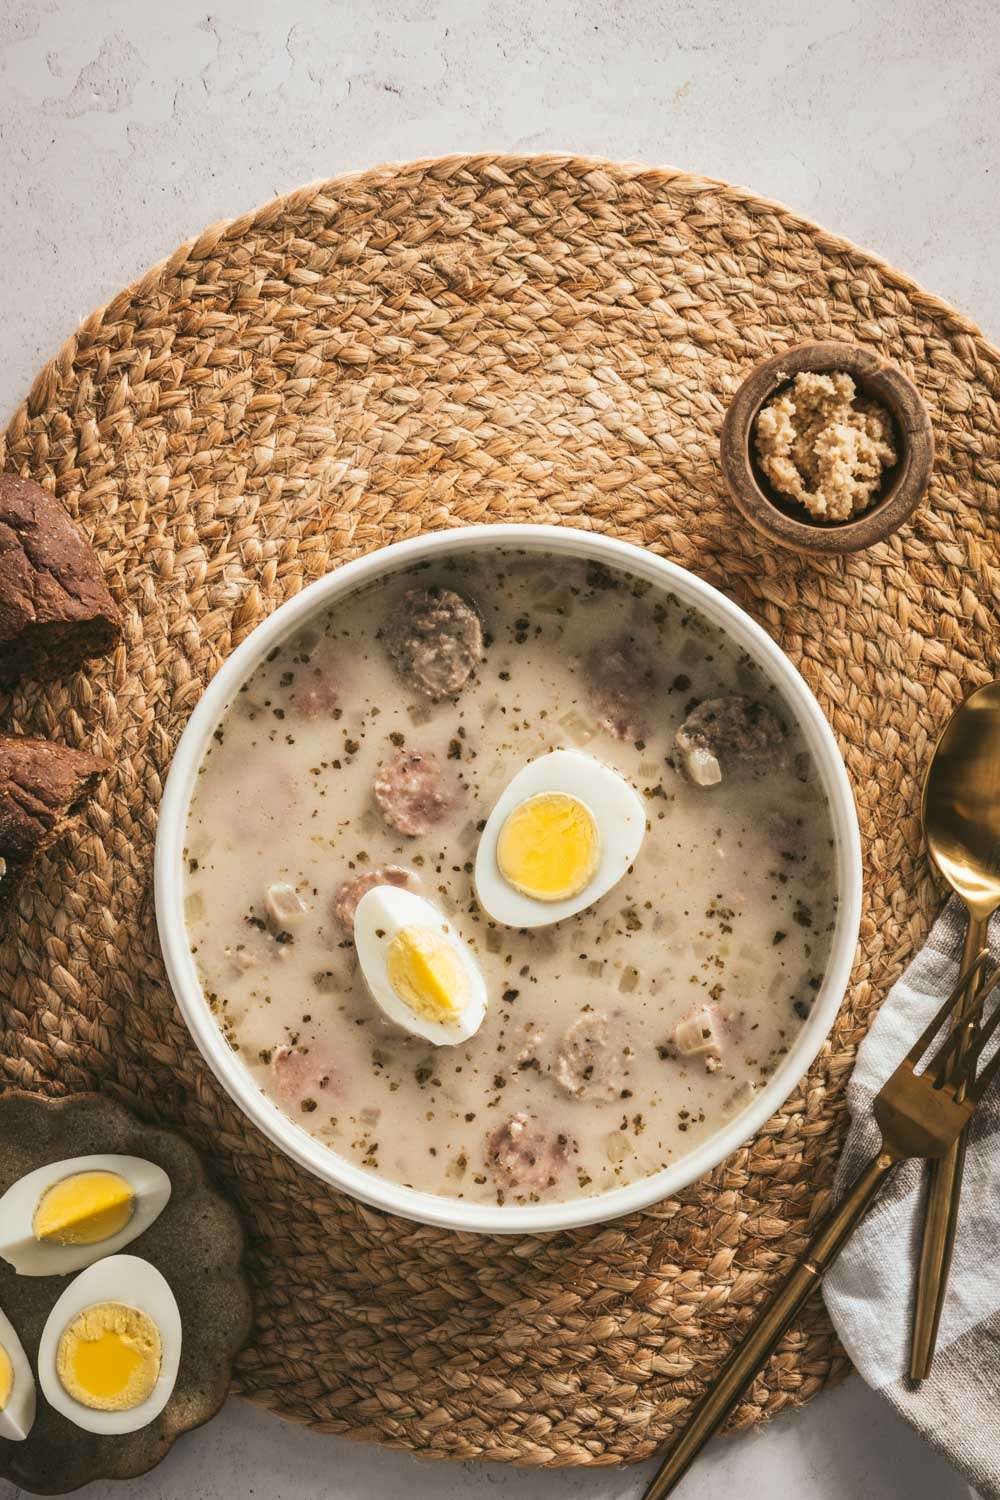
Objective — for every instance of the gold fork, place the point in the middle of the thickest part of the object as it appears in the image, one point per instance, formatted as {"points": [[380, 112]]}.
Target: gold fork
{"points": [[919, 1114]]}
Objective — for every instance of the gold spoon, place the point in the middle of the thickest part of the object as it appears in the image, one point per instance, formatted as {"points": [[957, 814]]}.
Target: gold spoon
{"points": [[961, 819]]}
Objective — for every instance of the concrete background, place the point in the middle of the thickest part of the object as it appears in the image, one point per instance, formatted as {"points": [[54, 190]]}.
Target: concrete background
{"points": [[125, 127]]}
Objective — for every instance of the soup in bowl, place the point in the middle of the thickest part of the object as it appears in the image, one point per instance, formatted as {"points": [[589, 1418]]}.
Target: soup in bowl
{"points": [[508, 878]]}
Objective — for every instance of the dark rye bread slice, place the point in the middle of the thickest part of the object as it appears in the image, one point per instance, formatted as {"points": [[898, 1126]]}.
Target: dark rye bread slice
{"points": [[55, 609], [41, 785]]}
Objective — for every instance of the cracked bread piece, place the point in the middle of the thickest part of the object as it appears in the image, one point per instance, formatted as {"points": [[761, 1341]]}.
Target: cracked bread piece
{"points": [[55, 609], [41, 786]]}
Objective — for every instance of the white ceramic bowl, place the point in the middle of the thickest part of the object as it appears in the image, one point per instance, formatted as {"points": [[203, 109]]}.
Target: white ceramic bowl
{"points": [[320, 1159]]}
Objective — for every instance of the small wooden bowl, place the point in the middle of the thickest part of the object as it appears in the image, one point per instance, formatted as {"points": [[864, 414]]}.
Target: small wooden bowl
{"points": [[780, 518]]}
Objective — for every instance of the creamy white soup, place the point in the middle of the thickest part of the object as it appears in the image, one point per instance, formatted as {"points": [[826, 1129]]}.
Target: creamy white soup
{"points": [[442, 1022]]}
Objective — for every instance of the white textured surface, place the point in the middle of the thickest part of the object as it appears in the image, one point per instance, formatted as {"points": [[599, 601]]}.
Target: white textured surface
{"points": [[125, 128], [839, 1448]]}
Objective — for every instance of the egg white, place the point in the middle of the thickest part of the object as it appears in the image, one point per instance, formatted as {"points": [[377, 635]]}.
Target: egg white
{"points": [[18, 1416], [616, 808], [381, 913], [135, 1283], [31, 1257]]}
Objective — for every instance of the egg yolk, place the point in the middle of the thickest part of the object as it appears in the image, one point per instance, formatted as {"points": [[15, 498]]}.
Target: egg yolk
{"points": [[549, 847], [109, 1357], [426, 974], [84, 1209], [6, 1377]]}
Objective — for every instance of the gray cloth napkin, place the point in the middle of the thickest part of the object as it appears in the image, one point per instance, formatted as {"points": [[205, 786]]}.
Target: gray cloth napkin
{"points": [[869, 1292]]}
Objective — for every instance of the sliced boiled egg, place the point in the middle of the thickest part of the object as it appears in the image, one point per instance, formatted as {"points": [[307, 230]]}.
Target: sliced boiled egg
{"points": [[17, 1386], [419, 971], [111, 1348], [67, 1214], [565, 831]]}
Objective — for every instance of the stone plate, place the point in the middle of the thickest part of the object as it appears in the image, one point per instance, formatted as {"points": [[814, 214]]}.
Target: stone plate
{"points": [[197, 1243]]}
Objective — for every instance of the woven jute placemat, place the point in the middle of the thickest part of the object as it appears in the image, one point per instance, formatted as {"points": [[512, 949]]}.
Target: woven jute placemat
{"points": [[456, 341]]}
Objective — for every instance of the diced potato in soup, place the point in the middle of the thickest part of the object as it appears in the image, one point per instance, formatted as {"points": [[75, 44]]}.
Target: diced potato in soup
{"points": [[371, 749], [698, 1036]]}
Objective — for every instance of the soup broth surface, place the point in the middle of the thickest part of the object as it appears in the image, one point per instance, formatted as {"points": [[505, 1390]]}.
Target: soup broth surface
{"points": [[582, 1076]]}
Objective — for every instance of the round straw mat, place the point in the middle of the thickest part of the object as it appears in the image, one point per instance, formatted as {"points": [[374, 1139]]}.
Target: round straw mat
{"points": [[456, 341]]}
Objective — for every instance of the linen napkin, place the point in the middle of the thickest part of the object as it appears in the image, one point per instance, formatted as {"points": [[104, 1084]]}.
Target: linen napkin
{"points": [[870, 1290]]}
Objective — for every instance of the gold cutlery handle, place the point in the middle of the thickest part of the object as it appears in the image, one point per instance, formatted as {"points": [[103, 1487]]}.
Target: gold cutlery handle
{"points": [[749, 1357], [941, 1215]]}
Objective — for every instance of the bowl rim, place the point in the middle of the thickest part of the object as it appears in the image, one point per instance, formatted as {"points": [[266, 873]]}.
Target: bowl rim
{"points": [[323, 1161], [877, 376]]}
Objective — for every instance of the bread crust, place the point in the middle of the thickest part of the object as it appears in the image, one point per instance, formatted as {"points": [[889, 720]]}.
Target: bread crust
{"points": [[55, 609], [41, 786]]}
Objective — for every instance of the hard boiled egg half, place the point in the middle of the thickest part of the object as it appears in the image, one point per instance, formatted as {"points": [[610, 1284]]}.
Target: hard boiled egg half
{"points": [[69, 1213], [111, 1347], [565, 831], [418, 970], [17, 1387]]}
